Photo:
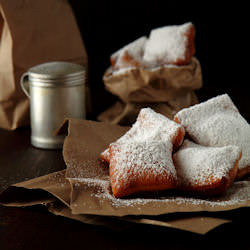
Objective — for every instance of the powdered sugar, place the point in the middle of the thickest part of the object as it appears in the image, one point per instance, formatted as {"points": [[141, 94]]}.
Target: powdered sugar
{"points": [[134, 49], [145, 151], [151, 126], [92, 182], [237, 195], [86, 169], [98, 199], [199, 165], [166, 44], [122, 71], [149, 160], [217, 122]]}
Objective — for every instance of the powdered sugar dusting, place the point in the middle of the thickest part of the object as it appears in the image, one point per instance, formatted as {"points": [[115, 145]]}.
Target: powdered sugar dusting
{"points": [[86, 169], [218, 123], [199, 165], [145, 151], [167, 44], [237, 195], [134, 49], [147, 160], [98, 199], [122, 71], [151, 126]]}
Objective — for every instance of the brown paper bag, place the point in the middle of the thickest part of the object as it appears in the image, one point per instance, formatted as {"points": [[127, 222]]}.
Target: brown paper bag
{"points": [[166, 89], [126, 113], [33, 32]]}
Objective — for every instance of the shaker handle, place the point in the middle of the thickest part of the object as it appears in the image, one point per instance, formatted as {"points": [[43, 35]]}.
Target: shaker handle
{"points": [[24, 85]]}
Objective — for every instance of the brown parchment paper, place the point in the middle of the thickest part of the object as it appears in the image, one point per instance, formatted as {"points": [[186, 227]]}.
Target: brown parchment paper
{"points": [[91, 192], [167, 89], [33, 32], [53, 191], [82, 191]]}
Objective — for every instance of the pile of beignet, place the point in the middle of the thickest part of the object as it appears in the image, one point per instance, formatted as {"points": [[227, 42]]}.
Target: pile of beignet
{"points": [[202, 151], [173, 44]]}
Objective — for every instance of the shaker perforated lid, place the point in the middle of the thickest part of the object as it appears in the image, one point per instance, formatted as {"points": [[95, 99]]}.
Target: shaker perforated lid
{"points": [[57, 72]]}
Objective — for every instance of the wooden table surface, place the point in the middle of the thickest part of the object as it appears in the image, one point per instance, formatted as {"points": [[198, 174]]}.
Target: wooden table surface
{"points": [[36, 228]]}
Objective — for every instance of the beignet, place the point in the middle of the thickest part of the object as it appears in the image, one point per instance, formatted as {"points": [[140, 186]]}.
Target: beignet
{"points": [[172, 44], [141, 166], [151, 126], [206, 170], [217, 122], [130, 55], [141, 160], [105, 156]]}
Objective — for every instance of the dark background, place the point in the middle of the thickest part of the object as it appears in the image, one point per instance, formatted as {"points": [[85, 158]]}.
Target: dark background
{"points": [[223, 50], [221, 41]]}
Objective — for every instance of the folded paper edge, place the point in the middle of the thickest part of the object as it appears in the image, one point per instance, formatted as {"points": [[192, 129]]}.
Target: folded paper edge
{"points": [[8, 201], [209, 223], [63, 128]]}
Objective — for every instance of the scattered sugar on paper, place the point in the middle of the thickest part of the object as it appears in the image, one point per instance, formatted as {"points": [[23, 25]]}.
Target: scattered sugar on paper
{"points": [[237, 194], [92, 182], [57, 178], [87, 168]]}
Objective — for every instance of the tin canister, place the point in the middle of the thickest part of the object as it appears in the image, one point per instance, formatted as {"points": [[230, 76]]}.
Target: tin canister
{"points": [[56, 91]]}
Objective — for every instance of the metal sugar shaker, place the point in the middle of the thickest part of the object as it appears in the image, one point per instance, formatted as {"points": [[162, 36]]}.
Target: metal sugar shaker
{"points": [[56, 91]]}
